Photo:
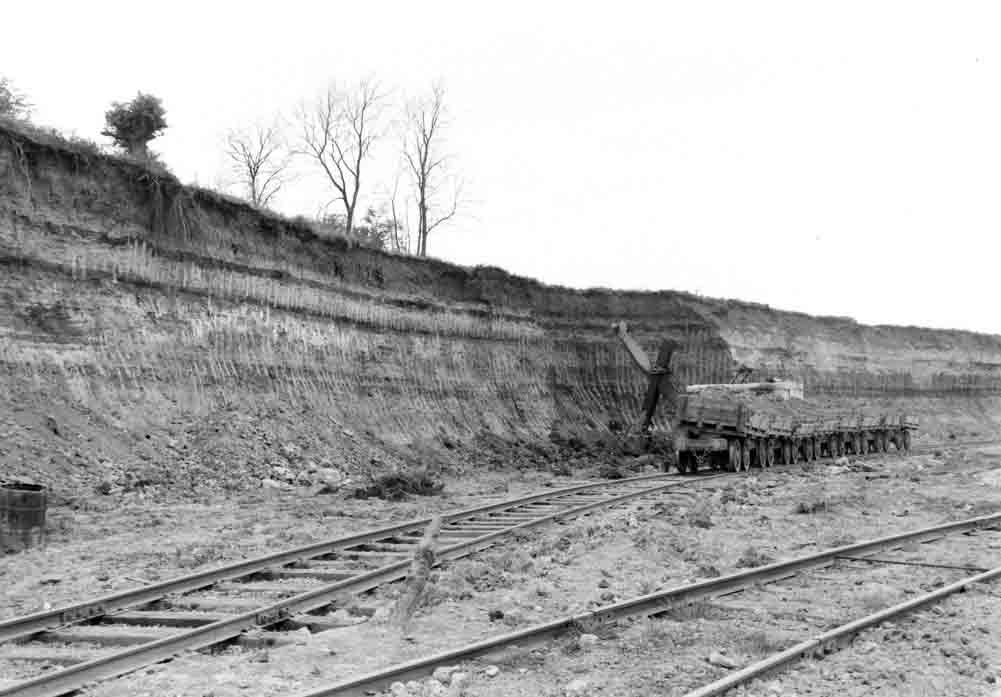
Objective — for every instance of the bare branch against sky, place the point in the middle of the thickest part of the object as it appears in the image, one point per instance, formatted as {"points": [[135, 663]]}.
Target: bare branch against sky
{"points": [[436, 189], [260, 160], [337, 134]]}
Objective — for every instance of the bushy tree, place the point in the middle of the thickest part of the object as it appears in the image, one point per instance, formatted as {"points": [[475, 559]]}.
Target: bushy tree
{"points": [[13, 103], [132, 125]]}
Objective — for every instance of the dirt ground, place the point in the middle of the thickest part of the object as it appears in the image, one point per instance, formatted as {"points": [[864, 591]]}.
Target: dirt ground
{"points": [[713, 528], [105, 544]]}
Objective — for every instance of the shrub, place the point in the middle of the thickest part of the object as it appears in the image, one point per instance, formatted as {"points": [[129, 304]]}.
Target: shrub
{"points": [[13, 103], [812, 506], [397, 486], [753, 557]]}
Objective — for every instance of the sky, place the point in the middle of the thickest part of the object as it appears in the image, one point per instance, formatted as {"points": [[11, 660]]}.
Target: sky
{"points": [[836, 158]]}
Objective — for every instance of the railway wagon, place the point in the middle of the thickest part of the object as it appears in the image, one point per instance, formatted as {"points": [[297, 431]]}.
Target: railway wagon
{"points": [[722, 429]]}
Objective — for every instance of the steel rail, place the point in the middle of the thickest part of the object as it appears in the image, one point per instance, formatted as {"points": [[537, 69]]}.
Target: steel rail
{"points": [[835, 639], [73, 678], [27, 625], [70, 679], [651, 604]]}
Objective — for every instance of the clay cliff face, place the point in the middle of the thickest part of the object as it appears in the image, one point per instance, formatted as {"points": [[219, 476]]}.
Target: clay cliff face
{"points": [[153, 330]]}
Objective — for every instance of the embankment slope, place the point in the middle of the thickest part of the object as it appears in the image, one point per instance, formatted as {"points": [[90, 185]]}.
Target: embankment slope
{"points": [[151, 332]]}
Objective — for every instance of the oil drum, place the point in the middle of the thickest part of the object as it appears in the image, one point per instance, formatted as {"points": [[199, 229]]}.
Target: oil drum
{"points": [[22, 516]]}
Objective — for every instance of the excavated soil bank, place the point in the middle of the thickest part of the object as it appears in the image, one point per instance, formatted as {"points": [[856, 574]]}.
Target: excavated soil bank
{"points": [[171, 341]]}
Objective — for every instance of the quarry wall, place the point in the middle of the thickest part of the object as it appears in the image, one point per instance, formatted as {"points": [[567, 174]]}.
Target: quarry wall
{"points": [[145, 324]]}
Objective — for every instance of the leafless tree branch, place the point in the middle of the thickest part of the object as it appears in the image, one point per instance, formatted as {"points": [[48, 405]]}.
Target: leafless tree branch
{"points": [[260, 160], [338, 132], [427, 164]]}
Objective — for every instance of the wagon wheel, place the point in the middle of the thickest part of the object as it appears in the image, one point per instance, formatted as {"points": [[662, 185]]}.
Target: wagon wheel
{"points": [[733, 456]]}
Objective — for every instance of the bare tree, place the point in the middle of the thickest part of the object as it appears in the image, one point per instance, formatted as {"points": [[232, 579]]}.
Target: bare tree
{"points": [[436, 190], [260, 161], [338, 131]]}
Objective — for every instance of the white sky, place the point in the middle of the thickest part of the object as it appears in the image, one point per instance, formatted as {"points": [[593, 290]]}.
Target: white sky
{"points": [[834, 158]]}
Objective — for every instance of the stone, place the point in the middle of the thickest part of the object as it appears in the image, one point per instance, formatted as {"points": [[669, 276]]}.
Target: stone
{"points": [[607, 596], [491, 671], [603, 583], [443, 674], [587, 639], [271, 485], [718, 659], [302, 636], [433, 688], [280, 472], [329, 479], [577, 686], [344, 618], [413, 687], [459, 681], [398, 689]]}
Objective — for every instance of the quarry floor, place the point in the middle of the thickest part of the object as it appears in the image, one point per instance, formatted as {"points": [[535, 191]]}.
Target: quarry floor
{"points": [[104, 544]]}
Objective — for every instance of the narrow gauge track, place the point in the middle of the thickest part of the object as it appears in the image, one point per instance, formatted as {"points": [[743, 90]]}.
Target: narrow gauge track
{"points": [[841, 636], [663, 601], [157, 621]]}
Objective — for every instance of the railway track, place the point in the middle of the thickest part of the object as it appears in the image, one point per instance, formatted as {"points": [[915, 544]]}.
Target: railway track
{"points": [[116, 634], [927, 569], [665, 601]]}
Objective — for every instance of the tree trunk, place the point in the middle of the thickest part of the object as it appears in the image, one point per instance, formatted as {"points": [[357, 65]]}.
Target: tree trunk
{"points": [[349, 222]]}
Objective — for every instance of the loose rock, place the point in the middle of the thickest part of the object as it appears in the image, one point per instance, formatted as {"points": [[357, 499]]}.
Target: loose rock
{"points": [[491, 671], [459, 681], [444, 674], [718, 659]]}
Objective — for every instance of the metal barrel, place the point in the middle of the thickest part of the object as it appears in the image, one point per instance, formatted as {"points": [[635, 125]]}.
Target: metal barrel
{"points": [[22, 516]]}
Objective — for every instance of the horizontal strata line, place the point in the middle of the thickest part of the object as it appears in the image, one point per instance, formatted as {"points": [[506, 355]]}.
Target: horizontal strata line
{"points": [[127, 279], [209, 262]]}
